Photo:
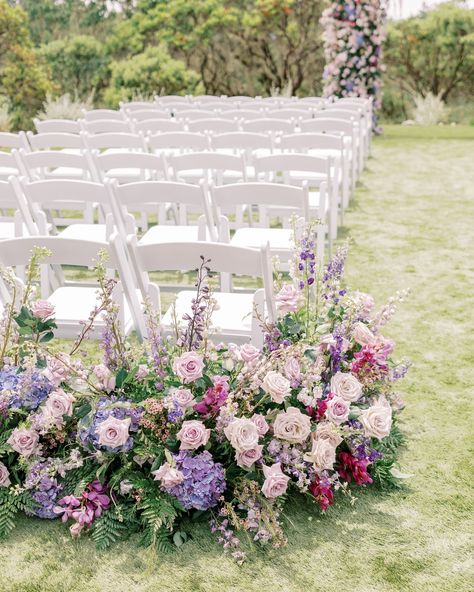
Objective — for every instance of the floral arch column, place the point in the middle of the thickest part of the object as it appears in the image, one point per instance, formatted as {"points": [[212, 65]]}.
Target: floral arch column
{"points": [[353, 36]]}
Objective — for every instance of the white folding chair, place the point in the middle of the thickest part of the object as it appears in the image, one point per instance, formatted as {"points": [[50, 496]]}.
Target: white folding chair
{"points": [[9, 166], [236, 316], [158, 126], [57, 126], [71, 196], [128, 167], [192, 114], [8, 140], [242, 114], [55, 164], [155, 197], [20, 221], [209, 166], [267, 197], [103, 114], [213, 125], [72, 303], [275, 126], [106, 126], [250, 144], [171, 100], [179, 142], [116, 142], [359, 133], [136, 105], [67, 142], [150, 113]]}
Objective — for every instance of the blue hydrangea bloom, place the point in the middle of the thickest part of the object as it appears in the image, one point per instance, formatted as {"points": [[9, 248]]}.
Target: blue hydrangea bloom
{"points": [[28, 389], [45, 490]]}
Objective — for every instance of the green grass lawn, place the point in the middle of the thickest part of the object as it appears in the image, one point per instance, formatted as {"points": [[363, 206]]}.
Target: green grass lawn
{"points": [[410, 225]]}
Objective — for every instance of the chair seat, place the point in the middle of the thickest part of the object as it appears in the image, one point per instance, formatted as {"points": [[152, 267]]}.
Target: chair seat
{"points": [[170, 234], [7, 230], [231, 319], [96, 232], [280, 239], [75, 303]]}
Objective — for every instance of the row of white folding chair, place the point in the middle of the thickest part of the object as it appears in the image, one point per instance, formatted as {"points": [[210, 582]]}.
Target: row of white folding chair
{"points": [[235, 316]]}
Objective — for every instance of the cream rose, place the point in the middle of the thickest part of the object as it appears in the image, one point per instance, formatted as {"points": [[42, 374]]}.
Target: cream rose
{"points": [[261, 423], [276, 482], [242, 434], [184, 398], [292, 426], [328, 431], [193, 434], [24, 441], [113, 432], [4, 476], [337, 410], [188, 367], [346, 385], [363, 335], [277, 386], [322, 455], [246, 458], [168, 475], [377, 420]]}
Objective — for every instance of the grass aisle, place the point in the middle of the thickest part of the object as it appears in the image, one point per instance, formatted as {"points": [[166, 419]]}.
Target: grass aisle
{"points": [[411, 225]]}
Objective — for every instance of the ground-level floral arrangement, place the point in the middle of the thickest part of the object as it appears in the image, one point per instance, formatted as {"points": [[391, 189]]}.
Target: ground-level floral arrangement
{"points": [[189, 429]]}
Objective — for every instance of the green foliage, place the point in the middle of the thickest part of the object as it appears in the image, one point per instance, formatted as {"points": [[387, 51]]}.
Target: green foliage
{"points": [[153, 71], [109, 528], [11, 502], [77, 63], [431, 53]]}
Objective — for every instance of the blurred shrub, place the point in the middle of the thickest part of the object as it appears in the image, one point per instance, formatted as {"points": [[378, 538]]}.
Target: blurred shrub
{"points": [[429, 110], [5, 121], [152, 72], [64, 107]]}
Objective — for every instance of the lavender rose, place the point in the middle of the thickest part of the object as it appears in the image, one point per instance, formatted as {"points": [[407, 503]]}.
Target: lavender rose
{"points": [[287, 299], [260, 423], [249, 353], [106, 378], [42, 309], [277, 386], [113, 432], [4, 476], [58, 404], [188, 367], [292, 426], [193, 434], [337, 410], [24, 441], [346, 385], [293, 370], [183, 397], [275, 483], [168, 475], [242, 433], [246, 458]]}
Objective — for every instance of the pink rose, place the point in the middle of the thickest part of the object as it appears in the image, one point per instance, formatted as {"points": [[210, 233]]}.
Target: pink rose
{"points": [[246, 458], [184, 398], [192, 435], [113, 432], [56, 370], [188, 367], [24, 441], [168, 475], [337, 410], [4, 476], [242, 434], [275, 483], [346, 385], [42, 309], [277, 386], [292, 370], [249, 352], [363, 335], [260, 423], [322, 455], [58, 403], [287, 299], [106, 378], [292, 426], [377, 420]]}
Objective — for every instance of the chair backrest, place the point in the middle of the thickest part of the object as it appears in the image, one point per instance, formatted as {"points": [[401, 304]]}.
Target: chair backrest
{"points": [[215, 105], [312, 141], [48, 141], [268, 125], [213, 125], [241, 141], [50, 191], [45, 163], [8, 140], [328, 124], [345, 114], [150, 113], [212, 163], [103, 114], [297, 112], [132, 197], [54, 126], [281, 163], [120, 140], [154, 126], [149, 166], [136, 105], [9, 165], [193, 114], [170, 100], [106, 126], [180, 140], [242, 114], [12, 197], [261, 194]]}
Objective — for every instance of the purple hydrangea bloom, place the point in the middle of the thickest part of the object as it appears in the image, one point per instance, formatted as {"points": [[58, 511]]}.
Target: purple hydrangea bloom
{"points": [[204, 481], [28, 389], [117, 407], [45, 489]]}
